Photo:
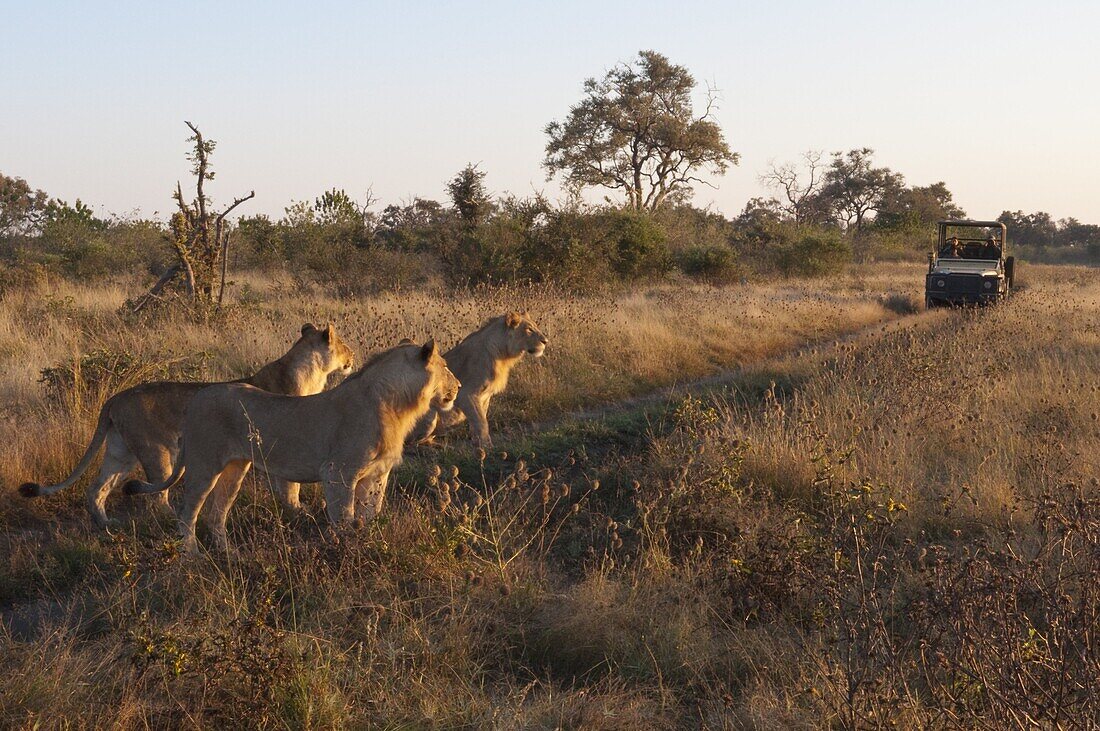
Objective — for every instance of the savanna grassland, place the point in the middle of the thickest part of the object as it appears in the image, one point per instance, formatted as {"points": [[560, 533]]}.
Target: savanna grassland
{"points": [[864, 516]]}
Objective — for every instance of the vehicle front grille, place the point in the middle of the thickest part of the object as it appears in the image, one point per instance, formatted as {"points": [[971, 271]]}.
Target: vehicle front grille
{"points": [[964, 283]]}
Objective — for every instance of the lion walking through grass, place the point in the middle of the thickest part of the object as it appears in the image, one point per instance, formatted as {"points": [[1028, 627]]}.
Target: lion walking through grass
{"points": [[482, 362], [348, 438]]}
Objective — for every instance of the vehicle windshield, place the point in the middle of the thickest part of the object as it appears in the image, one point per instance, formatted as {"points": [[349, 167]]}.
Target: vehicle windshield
{"points": [[971, 242]]}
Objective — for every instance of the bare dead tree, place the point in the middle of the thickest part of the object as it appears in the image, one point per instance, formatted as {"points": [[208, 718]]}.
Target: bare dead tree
{"points": [[799, 184], [199, 236]]}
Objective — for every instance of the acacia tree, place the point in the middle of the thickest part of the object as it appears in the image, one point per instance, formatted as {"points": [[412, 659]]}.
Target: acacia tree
{"points": [[200, 236], [21, 207], [917, 207], [635, 130], [855, 188]]}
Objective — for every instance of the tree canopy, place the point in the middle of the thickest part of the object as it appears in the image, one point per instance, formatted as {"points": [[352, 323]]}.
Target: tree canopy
{"points": [[468, 194], [855, 188], [916, 207], [21, 207], [636, 130]]}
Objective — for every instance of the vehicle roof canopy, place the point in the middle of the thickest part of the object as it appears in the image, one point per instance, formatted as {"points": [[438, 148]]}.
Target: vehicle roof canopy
{"points": [[968, 222], [954, 224]]}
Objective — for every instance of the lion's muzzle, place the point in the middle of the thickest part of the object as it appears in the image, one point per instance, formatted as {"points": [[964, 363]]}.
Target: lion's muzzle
{"points": [[446, 402]]}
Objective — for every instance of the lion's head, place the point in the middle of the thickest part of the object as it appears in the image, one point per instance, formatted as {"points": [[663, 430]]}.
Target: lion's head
{"points": [[443, 384], [416, 371], [334, 354], [522, 335]]}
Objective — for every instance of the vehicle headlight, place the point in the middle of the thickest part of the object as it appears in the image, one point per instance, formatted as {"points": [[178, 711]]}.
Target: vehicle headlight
{"points": [[940, 283], [987, 284]]}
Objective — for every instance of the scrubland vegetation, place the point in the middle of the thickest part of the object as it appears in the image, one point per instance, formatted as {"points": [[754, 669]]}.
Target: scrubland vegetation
{"points": [[902, 526], [751, 485], [66, 348]]}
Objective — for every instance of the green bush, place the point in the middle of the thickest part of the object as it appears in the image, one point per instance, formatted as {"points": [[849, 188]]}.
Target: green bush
{"points": [[713, 264], [567, 249], [489, 252], [106, 371], [75, 246], [810, 252], [687, 227], [638, 245]]}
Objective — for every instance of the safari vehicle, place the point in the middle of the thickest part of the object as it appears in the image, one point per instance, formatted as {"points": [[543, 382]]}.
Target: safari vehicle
{"points": [[970, 264]]}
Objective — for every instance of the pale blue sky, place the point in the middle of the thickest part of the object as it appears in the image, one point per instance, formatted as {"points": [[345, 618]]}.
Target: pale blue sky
{"points": [[998, 99]]}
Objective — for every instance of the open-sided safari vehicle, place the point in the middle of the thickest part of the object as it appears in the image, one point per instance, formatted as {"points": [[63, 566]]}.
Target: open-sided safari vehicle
{"points": [[970, 264]]}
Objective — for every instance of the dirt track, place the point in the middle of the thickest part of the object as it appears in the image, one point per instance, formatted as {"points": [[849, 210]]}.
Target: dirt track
{"points": [[726, 376]]}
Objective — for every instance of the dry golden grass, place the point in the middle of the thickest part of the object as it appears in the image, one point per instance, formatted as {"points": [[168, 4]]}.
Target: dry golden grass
{"points": [[602, 348], [972, 403], [899, 528]]}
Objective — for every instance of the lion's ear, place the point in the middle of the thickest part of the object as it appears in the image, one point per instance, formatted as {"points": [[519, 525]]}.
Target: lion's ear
{"points": [[308, 328], [406, 341], [513, 319], [428, 350], [330, 333]]}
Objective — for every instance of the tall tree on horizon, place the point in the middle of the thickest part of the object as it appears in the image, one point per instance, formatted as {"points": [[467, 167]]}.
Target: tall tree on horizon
{"points": [[635, 130], [855, 188]]}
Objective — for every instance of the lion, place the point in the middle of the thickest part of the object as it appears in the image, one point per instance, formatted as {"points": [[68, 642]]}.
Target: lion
{"points": [[141, 425], [482, 363], [348, 438]]}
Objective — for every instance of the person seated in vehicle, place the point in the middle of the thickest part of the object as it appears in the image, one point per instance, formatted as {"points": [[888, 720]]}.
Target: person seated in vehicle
{"points": [[991, 250], [952, 248]]}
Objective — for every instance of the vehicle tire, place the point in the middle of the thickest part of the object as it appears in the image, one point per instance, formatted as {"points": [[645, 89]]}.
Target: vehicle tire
{"points": [[1010, 271]]}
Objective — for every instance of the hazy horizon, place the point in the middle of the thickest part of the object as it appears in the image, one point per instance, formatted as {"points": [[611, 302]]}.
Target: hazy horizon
{"points": [[991, 98]]}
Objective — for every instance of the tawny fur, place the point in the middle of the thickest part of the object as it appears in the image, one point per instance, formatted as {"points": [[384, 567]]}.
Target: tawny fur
{"points": [[141, 425], [348, 438], [482, 362]]}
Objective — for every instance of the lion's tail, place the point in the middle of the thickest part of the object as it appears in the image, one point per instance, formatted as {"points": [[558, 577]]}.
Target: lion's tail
{"points": [[139, 487], [33, 489]]}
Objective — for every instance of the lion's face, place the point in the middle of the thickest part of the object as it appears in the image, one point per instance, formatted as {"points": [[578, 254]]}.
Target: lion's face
{"points": [[335, 355], [523, 335], [441, 382]]}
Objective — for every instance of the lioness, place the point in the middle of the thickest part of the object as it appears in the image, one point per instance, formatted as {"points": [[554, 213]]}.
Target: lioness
{"points": [[482, 362], [142, 424], [350, 436]]}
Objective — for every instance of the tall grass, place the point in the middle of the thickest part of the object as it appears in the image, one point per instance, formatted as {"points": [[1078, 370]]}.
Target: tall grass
{"points": [[602, 348], [899, 528]]}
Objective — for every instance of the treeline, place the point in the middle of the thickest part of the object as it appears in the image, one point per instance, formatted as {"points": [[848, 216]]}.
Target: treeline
{"points": [[634, 132], [473, 237], [1037, 236]]}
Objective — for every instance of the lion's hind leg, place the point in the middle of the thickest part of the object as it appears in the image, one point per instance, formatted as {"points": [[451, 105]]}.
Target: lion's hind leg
{"points": [[221, 499], [198, 483], [157, 463], [118, 462], [288, 494]]}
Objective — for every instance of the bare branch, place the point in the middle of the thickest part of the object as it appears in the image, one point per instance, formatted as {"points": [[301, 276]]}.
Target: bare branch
{"points": [[236, 202]]}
